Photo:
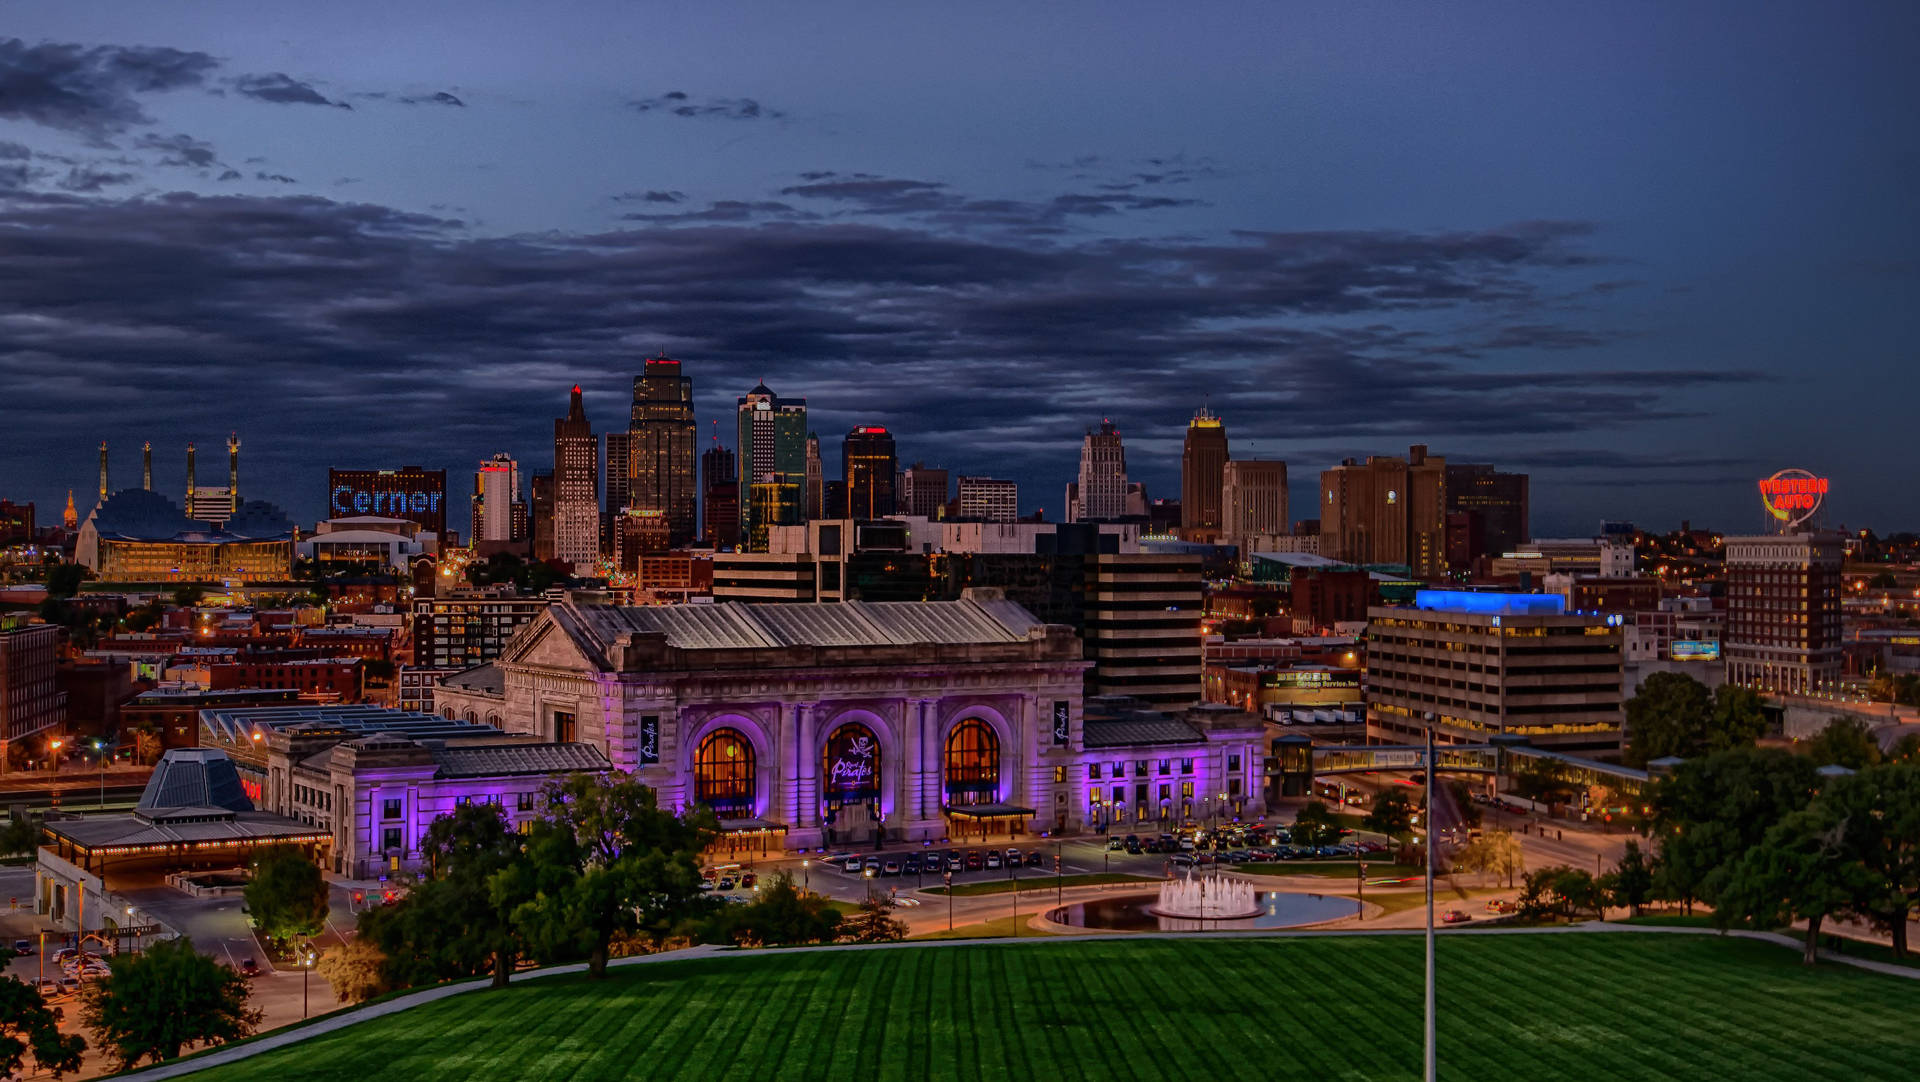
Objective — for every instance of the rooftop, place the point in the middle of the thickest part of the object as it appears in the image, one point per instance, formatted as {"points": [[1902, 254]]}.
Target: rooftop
{"points": [[236, 724], [746, 626]]}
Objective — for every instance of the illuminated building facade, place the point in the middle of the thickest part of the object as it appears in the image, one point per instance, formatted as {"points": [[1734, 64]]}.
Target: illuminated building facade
{"points": [[1202, 465], [1253, 502], [1101, 492], [773, 501], [137, 536], [661, 467], [30, 697], [16, 523], [462, 628], [1483, 664], [984, 499], [576, 488], [923, 491], [719, 498], [496, 500], [1783, 630], [1487, 513], [1387, 511], [771, 448], [410, 492], [869, 463]]}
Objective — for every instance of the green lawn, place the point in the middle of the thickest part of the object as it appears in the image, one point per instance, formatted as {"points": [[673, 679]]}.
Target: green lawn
{"points": [[1048, 882], [1536, 1007]]}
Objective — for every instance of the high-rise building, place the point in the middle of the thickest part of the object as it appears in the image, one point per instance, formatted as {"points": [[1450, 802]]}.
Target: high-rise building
{"points": [[1253, 501], [816, 479], [720, 498], [30, 697], [1537, 671], [1486, 513], [987, 499], [540, 494], [1101, 492], [923, 491], [411, 493], [1202, 466], [16, 523], [496, 492], [619, 481], [772, 440], [576, 487], [1783, 612], [660, 467], [868, 462], [1142, 626], [1387, 511], [774, 501]]}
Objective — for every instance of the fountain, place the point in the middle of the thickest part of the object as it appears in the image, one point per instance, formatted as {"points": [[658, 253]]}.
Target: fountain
{"points": [[1208, 897]]}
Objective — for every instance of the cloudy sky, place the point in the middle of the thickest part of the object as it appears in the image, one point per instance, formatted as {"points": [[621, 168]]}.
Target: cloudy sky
{"points": [[1647, 252]]}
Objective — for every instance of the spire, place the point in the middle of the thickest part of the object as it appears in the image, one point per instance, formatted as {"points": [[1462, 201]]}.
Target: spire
{"points": [[70, 518], [189, 480], [103, 469], [146, 465], [576, 411], [233, 469]]}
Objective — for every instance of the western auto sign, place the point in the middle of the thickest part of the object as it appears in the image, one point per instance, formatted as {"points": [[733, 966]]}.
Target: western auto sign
{"points": [[1793, 496]]}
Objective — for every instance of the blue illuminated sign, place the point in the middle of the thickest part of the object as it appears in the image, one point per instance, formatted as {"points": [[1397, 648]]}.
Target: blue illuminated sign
{"points": [[347, 500], [1490, 604], [1694, 650]]}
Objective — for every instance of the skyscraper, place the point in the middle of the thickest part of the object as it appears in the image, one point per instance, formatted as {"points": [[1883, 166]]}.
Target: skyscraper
{"points": [[1253, 501], [576, 487], [540, 494], [1387, 511], [1101, 492], [816, 479], [1783, 631], [771, 449], [496, 492], [923, 491], [1201, 465], [660, 467], [719, 498], [1486, 513], [868, 462], [987, 499]]}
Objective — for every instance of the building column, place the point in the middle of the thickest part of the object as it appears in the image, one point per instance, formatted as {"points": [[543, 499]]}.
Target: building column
{"points": [[807, 804], [793, 743], [1038, 738]]}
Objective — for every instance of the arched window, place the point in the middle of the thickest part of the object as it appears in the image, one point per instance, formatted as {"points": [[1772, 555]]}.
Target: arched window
{"points": [[850, 766], [723, 774], [447, 712], [972, 763], [473, 717]]}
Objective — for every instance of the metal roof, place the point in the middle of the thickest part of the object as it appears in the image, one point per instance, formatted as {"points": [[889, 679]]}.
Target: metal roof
{"points": [[193, 778], [1138, 730], [234, 724], [134, 832], [499, 760]]}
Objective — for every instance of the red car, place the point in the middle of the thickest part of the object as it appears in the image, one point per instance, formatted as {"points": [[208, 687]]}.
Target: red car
{"points": [[1455, 916]]}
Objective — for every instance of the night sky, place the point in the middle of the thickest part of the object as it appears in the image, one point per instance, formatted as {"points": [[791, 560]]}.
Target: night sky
{"points": [[1646, 252]]}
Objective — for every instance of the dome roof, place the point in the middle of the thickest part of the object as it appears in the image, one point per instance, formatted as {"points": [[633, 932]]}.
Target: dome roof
{"points": [[260, 520], [141, 514]]}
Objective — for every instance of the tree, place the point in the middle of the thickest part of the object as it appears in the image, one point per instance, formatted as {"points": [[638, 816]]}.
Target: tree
{"points": [[1845, 741], [1559, 893], [1496, 853], [188, 594], [287, 894], [22, 834], [605, 861], [454, 923], [874, 923], [1630, 884], [1392, 813], [63, 580], [1464, 808], [1666, 717], [780, 916], [1880, 809], [1800, 871], [356, 970], [27, 1024], [1315, 825], [163, 999], [1713, 809]]}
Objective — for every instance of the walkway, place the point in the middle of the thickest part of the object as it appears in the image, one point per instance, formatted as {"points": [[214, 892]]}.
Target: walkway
{"points": [[282, 1038]]}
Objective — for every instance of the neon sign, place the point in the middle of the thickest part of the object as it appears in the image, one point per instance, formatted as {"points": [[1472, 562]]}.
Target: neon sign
{"points": [[852, 762], [1793, 496], [349, 501]]}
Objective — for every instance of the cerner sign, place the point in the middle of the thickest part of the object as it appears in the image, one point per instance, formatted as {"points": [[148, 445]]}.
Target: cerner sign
{"points": [[347, 500]]}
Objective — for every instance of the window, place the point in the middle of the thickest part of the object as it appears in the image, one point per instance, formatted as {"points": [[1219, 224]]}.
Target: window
{"points": [[723, 773], [1233, 787], [1119, 771], [462, 801], [972, 764], [1166, 767], [566, 729], [1186, 766], [850, 763], [1233, 762], [1093, 771], [390, 839], [1059, 774], [1140, 769], [523, 802], [1166, 792], [1186, 790], [390, 808]]}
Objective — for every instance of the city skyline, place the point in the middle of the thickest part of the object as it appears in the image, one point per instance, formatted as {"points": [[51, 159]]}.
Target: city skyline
{"points": [[1645, 255]]}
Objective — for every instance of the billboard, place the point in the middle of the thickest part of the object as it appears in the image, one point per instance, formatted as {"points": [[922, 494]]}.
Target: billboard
{"points": [[1793, 496], [410, 493], [1694, 650]]}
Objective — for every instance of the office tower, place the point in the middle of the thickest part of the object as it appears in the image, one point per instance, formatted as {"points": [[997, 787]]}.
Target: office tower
{"points": [[1537, 671], [720, 498], [412, 493], [576, 487], [619, 455], [1253, 501], [772, 440], [1387, 511], [30, 697], [1101, 492], [868, 463], [1783, 612], [773, 501], [816, 479], [1486, 513], [923, 491], [1142, 626], [541, 493], [986, 499], [1202, 464], [661, 467], [496, 493]]}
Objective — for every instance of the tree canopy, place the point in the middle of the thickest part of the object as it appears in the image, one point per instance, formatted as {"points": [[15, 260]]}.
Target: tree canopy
{"points": [[28, 1026], [1675, 715], [163, 999], [1315, 825], [287, 895], [1391, 814]]}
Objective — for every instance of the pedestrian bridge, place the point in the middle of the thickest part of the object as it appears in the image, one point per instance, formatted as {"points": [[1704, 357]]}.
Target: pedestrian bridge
{"points": [[1509, 757]]}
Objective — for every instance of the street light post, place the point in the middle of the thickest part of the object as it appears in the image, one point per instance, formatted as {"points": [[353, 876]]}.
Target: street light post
{"points": [[1432, 1064], [100, 755], [806, 876], [949, 875]]}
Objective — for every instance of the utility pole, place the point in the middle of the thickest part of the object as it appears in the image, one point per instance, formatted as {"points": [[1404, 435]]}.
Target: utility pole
{"points": [[1432, 1062]]}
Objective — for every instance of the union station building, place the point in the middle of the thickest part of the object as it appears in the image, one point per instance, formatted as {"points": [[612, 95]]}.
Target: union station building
{"points": [[805, 725]]}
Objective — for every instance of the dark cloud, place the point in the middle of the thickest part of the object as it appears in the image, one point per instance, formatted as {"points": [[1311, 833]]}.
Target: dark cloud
{"points": [[440, 97], [14, 151], [282, 89], [83, 178], [651, 195], [365, 334], [230, 174], [277, 178], [180, 150], [937, 203], [678, 103], [725, 210], [91, 90]]}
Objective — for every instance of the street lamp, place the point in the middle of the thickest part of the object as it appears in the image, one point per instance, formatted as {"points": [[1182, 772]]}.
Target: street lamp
{"points": [[307, 958], [53, 754], [806, 875], [100, 755], [949, 875]]}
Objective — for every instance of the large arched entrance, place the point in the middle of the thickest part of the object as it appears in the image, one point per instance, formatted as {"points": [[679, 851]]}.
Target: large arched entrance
{"points": [[725, 775], [850, 785], [970, 781]]}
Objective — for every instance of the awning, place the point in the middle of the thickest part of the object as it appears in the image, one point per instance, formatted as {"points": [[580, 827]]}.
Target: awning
{"points": [[988, 811], [751, 826]]}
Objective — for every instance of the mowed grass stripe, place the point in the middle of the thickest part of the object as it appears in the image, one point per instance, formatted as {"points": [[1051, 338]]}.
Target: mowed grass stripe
{"points": [[1540, 1007]]}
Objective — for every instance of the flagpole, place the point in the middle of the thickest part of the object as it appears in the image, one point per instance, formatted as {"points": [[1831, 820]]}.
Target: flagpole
{"points": [[1432, 1063]]}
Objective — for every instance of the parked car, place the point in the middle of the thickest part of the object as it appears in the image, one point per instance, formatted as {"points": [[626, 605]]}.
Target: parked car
{"points": [[1035, 859], [748, 881], [931, 863], [891, 867], [71, 985], [1115, 845], [1456, 916], [725, 883], [1181, 860], [1186, 845], [1501, 905], [1132, 844], [1013, 857], [23, 946], [48, 987], [993, 859], [851, 865], [910, 864], [975, 861]]}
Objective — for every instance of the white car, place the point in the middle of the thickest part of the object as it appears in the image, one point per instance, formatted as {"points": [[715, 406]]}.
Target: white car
{"points": [[993, 860]]}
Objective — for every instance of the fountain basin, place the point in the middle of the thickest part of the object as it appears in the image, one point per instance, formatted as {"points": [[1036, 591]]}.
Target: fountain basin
{"points": [[1135, 913]]}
